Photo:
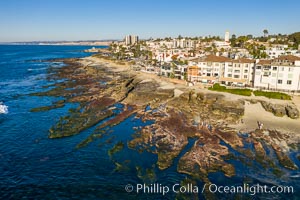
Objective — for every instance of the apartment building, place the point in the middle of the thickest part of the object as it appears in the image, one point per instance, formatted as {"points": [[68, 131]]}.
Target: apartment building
{"points": [[282, 73], [131, 39], [184, 43], [239, 72], [212, 69]]}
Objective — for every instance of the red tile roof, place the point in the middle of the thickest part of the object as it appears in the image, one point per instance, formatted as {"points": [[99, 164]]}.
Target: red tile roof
{"points": [[264, 62], [244, 60], [213, 58], [288, 57]]}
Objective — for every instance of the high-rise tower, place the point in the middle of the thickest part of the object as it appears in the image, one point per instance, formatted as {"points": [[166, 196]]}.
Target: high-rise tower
{"points": [[227, 36]]}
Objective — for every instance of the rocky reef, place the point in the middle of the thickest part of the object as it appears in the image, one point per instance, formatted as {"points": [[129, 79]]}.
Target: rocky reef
{"points": [[178, 117]]}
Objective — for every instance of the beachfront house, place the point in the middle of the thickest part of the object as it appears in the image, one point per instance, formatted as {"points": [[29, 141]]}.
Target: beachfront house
{"points": [[239, 72], [193, 74], [210, 68], [220, 69], [282, 73]]}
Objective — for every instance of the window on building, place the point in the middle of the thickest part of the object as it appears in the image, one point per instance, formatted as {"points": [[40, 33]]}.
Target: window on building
{"points": [[245, 71], [267, 68], [289, 82], [229, 75], [236, 71], [279, 81], [245, 76], [291, 69], [274, 68], [281, 68], [290, 76], [236, 76], [258, 67]]}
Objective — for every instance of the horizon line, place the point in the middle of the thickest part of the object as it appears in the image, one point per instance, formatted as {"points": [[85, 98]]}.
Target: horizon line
{"points": [[106, 40]]}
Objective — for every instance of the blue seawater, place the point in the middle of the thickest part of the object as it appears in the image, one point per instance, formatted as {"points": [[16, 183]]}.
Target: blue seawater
{"points": [[32, 166]]}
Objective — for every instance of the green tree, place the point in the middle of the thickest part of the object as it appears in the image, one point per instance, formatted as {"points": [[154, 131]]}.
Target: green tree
{"points": [[208, 49], [266, 32], [263, 55], [172, 75], [185, 76], [233, 40], [295, 38]]}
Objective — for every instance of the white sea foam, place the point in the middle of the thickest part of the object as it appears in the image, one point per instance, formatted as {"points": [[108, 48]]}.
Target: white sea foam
{"points": [[37, 69], [3, 108]]}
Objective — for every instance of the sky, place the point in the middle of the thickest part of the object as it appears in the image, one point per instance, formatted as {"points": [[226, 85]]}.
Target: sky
{"points": [[45, 20]]}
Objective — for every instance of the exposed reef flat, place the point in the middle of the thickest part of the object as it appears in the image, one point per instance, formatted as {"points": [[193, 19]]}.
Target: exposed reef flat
{"points": [[210, 123]]}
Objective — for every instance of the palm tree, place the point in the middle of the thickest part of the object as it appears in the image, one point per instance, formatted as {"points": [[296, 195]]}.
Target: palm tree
{"points": [[266, 32]]}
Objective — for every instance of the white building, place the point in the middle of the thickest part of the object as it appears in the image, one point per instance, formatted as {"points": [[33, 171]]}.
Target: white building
{"points": [[134, 39], [222, 44], [184, 43], [227, 36], [279, 50], [131, 39], [207, 69], [239, 72], [213, 69], [282, 73]]}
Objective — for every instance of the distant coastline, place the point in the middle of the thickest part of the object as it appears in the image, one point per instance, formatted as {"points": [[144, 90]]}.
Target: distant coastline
{"points": [[83, 43]]}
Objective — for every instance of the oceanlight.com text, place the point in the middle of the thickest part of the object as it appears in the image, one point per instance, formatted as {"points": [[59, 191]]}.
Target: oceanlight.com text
{"points": [[157, 188]]}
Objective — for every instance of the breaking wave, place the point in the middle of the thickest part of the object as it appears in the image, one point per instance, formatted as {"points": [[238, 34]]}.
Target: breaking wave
{"points": [[3, 108]]}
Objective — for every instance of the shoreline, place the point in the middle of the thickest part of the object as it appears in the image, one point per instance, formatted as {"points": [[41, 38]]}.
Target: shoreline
{"points": [[253, 112], [177, 113]]}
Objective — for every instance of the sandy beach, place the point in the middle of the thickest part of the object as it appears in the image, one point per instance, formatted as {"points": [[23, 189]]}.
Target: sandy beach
{"points": [[253, 112]]}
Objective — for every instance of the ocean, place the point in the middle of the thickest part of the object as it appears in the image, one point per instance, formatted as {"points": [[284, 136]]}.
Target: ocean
{"points": [[32, 166]]}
